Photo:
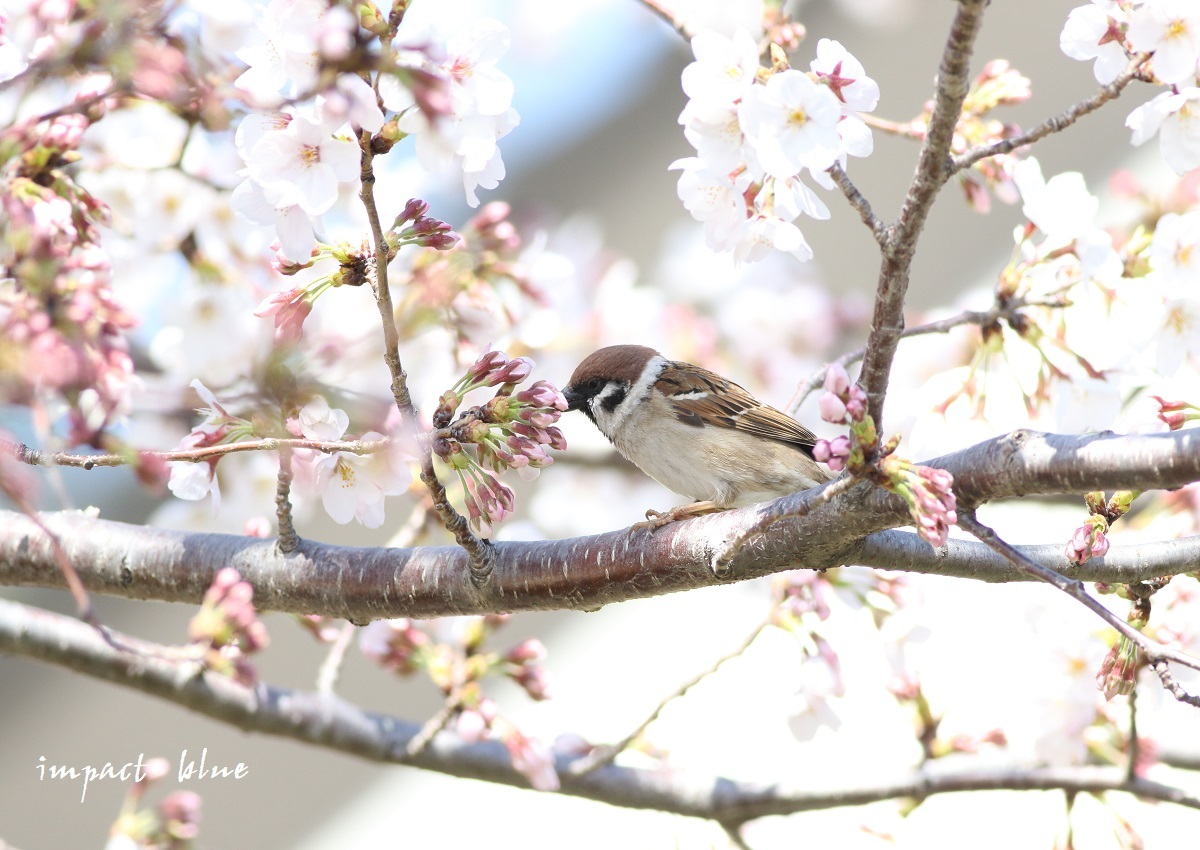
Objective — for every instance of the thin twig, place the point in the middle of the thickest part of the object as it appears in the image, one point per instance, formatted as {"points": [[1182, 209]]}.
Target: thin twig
{"points": [[1155, 652], [1159, 665], [1131, 763], [663, 12], [39, 457], [859, 202], [1057, 123], [331, 667], [481, 554], [605, 755], [979, 318], [421, 740]]}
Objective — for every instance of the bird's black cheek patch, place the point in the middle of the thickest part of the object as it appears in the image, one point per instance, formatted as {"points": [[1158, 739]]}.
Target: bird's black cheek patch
{"points": [[611, 401]]}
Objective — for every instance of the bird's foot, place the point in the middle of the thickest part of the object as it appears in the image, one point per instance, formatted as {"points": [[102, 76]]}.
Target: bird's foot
{"points": [[657, 519]]}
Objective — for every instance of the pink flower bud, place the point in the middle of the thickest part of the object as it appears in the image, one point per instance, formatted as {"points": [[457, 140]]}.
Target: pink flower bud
{"points": [[832, 408], [513, 372], [837, 381]]}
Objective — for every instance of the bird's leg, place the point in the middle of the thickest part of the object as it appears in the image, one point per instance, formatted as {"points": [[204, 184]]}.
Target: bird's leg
{"points": [[657, 519]]}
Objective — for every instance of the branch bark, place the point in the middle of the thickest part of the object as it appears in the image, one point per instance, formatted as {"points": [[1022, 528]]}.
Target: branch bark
{"points": [[331, 722], [362, 584]]}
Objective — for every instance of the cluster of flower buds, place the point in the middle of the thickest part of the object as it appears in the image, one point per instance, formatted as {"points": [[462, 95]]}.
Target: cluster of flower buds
{"points": [[842, 403], [513, 430], [414, 227], [228, 628], [929, 493], [1090, 539], [1118, 670], [457, 664], [173, 823], [1176, 414], [63, 332], [998, 84]]}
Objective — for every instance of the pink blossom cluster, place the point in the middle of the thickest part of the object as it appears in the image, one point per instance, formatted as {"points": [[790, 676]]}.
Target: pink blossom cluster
{"points": [[464, 282], [842, 403], [62, 331], [227, 626], [1118, 670], [512, 430], [457, 664]]}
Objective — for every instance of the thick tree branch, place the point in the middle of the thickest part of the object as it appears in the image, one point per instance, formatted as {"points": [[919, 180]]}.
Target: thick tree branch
{"points": [[588, 572], [331, 722], [933, 170]]}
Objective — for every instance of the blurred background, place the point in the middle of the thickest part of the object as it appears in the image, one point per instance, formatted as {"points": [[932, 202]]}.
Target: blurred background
{"points": [[597, 87]]}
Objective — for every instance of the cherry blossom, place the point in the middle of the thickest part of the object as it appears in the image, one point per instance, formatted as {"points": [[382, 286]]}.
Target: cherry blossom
{"points": [[1171, 30], [354, 486], [1175, 117], [479, 112], [1094, 32], [791, 123], [724, 69], [302, 164], [285, 60]]}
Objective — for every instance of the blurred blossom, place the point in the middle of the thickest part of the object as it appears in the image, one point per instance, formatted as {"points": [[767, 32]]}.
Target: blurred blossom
{"points": [[460, 135]]}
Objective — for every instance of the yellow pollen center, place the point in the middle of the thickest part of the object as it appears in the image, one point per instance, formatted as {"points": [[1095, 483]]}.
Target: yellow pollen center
{"points": [[798, 117], [310, 155], [346, 471], [1183, 255], [1177, 29]]}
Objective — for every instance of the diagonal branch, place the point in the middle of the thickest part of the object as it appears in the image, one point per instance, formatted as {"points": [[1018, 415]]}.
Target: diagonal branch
{"points": [[1058, 122], [329, 721], [933, 170]]}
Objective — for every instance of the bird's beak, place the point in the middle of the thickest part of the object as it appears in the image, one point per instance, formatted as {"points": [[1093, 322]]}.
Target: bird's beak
{"points": [[574, 399]]}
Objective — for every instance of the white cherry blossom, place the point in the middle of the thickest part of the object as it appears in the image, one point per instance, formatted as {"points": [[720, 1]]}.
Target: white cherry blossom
{"points": [[303, 164], [1171, 29], [791, 122], [1091, 33], [1175, 117], [354, 486], [724, 69]]}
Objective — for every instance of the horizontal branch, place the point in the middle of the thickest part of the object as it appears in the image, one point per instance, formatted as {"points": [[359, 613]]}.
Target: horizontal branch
{"points": [[585, 573], [39, 457], [328, 721]]}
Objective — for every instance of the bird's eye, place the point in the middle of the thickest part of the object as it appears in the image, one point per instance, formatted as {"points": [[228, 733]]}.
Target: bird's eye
{"points": [[595, 385]]}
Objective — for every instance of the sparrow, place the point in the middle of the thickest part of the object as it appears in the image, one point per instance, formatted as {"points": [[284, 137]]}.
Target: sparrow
{"points": [[696, 433]]}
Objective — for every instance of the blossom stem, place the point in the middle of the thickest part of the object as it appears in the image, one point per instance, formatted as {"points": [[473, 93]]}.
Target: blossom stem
{"points": [[480, 552], [288, 540]]}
